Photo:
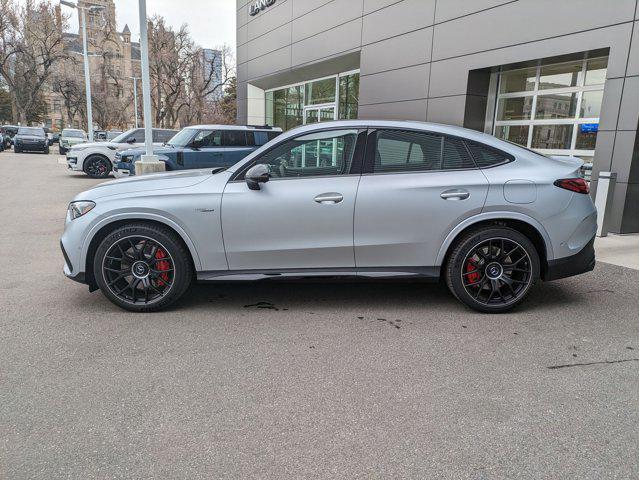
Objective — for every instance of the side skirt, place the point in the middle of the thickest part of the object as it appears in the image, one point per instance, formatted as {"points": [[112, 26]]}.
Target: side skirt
{"points": [[422, 273]]}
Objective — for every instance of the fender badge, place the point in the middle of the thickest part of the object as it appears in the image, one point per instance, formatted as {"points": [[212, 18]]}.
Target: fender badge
{"points": [[205, 210]]}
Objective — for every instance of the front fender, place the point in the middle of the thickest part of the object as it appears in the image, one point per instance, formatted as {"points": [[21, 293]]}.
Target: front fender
{"points": [[482, 217], [140, 215]]}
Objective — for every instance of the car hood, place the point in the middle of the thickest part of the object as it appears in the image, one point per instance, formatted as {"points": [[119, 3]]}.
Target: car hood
{"points": [[72, 140], [97, 144], [146, 183]]}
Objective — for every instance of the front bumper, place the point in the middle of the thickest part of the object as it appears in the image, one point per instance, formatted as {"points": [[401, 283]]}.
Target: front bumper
{"points": [[72, 162], [581, 262], [123, 169]]}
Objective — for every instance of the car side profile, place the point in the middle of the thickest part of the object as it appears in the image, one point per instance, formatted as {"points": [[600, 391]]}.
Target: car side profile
{"points": [[201, 146], [96, 159], [378, 199], [31, 139]]}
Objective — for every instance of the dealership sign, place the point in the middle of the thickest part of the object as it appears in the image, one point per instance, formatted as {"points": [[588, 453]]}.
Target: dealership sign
{"points": [[260, 5]]}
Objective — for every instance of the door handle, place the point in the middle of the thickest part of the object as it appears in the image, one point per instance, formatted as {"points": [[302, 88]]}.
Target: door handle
{"points": [[455, 195], [329, 198]]}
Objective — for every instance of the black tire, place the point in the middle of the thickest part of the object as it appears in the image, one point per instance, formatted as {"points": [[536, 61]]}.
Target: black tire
{"points": [[62, 151], [492, 269], [97, 166], [169, 289], [17, 150], [46, 151]]}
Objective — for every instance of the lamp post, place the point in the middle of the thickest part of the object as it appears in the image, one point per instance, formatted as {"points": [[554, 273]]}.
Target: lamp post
{"points": [[148, 163], [87, 73], [135, 98]]}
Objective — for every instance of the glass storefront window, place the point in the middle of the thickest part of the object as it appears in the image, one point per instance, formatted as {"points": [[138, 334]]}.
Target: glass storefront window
{"points": [[552, 137], [348, 96], [293, 106], [558, 105], [562, 122], [320, 91], [513, 133], [517, 108], [518, 80], [559, 76], [591, 104], [596, 71]]}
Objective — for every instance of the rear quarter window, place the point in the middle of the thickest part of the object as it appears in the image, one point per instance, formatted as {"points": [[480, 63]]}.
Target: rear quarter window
{"points": [[486, 157]]}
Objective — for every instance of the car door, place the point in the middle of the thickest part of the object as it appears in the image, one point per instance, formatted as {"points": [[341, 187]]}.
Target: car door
{"points": [[302, 218], [416, 187], [205, 150]]}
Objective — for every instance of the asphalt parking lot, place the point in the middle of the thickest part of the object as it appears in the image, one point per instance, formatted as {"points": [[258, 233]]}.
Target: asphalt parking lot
{"points": [[303, 380]]}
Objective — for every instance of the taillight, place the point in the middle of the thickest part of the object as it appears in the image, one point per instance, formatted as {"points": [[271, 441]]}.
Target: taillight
{"points": [[578, 185]]}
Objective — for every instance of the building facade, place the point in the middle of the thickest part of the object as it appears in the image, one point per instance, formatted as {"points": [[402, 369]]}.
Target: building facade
{"points": [[558, 77], [113, 60], [212, 71]]}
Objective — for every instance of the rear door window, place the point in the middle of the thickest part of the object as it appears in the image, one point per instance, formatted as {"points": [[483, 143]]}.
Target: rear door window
{"points": [[234, 138], [162, 136], [404, 151]]}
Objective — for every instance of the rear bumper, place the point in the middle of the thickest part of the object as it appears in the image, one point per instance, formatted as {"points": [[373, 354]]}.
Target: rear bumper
{"points": [[581, 262]]}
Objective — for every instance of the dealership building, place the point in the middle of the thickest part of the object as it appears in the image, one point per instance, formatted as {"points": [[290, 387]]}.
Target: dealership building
{"points": [[560, 77]]}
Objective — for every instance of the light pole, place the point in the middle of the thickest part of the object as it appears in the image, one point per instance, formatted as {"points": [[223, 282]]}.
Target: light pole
{"points": [[135, 98], [149, 163], [87, 73]]}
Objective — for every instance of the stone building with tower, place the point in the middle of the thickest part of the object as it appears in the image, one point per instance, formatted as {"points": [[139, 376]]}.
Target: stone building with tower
{"points": [[113, 60]]}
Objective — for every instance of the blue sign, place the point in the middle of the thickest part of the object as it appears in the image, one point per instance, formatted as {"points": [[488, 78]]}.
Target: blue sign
{"points": [[589, 127]]}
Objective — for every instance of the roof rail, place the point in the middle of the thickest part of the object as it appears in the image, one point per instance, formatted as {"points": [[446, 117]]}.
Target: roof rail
{"points": [[263, 127]]}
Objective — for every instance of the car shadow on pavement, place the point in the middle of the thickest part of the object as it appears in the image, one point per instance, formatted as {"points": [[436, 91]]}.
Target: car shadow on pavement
{"points": [[320, 296]]}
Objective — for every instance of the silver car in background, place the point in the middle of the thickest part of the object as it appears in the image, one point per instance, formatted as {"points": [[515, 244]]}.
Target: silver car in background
{"points": [[377, 199]]}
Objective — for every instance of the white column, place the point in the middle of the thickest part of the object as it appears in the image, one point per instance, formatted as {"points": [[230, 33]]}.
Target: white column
{"points": [[603, 201], [87, 74], [149, 163]]}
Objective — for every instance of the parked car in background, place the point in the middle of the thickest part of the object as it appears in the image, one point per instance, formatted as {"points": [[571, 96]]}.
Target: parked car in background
{"points": [[8, 132], [111, 134], [96, 158], [70, 137], [201, 146], [356, 198], [31, 139]]}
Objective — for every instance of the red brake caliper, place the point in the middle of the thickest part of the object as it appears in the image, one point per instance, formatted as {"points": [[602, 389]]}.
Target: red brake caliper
{"points": [[162, 265], [471, 266]]}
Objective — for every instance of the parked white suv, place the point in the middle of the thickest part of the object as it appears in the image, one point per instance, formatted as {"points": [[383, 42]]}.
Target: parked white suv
{"points": [[96, 159]]}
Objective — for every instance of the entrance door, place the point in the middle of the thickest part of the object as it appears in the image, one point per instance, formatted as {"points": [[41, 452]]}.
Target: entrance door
{"points": [[320, 114], [303, 216]]}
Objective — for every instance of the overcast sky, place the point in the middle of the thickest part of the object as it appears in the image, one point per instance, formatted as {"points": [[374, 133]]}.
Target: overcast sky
{"points": [[211, 22]]}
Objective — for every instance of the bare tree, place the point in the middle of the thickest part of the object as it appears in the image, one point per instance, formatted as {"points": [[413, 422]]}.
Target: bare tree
{"points": [[31, 44], [67, 82]]}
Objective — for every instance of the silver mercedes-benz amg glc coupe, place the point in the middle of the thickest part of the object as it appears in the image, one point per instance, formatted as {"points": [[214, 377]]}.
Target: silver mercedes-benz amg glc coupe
{"points": [[376, 199]]}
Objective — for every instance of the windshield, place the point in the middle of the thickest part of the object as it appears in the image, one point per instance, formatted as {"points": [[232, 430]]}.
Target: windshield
{"points": [[182, 138], [122, 137], [73, 133], [36, 132]]}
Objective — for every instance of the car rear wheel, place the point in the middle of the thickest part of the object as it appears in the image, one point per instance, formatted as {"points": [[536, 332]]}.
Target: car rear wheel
{"points": [[142, 268], [492, 269], [97, 166]]}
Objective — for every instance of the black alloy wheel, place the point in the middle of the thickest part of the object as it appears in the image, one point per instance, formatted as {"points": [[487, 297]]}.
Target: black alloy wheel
{"points": [[142, 267], [493, 269], [96, 166]]}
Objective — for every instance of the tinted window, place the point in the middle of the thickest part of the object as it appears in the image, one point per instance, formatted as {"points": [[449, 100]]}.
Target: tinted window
{"points": [[456, 155], [272, 135], [234, 138], [136, 136], [400, 151], [260, 138], [318, 154], [36, 132], [162, 136], [487, 157], [208, 138]]}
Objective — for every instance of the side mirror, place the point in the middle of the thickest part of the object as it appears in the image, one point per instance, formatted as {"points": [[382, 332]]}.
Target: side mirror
{"points": [[256, 175], [130, 140], [196, 144]]}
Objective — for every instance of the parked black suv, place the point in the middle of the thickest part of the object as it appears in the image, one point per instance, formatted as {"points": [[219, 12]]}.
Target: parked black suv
{"points": [[31, 139]]}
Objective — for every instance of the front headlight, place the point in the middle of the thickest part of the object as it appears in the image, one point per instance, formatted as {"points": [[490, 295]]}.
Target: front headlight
{"points": [[79, 208]]}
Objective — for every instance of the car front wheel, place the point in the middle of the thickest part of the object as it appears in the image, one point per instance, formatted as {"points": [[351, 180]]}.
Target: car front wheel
{"points": [[142, 267], [96, 166], [492, 269]]}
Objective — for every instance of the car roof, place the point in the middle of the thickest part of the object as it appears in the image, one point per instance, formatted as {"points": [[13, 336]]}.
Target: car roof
{"points": [[236, 127]]}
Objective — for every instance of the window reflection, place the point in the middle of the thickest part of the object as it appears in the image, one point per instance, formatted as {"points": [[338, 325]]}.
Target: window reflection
{"points": [[552, 137], [558, 76], [558, 105]]}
